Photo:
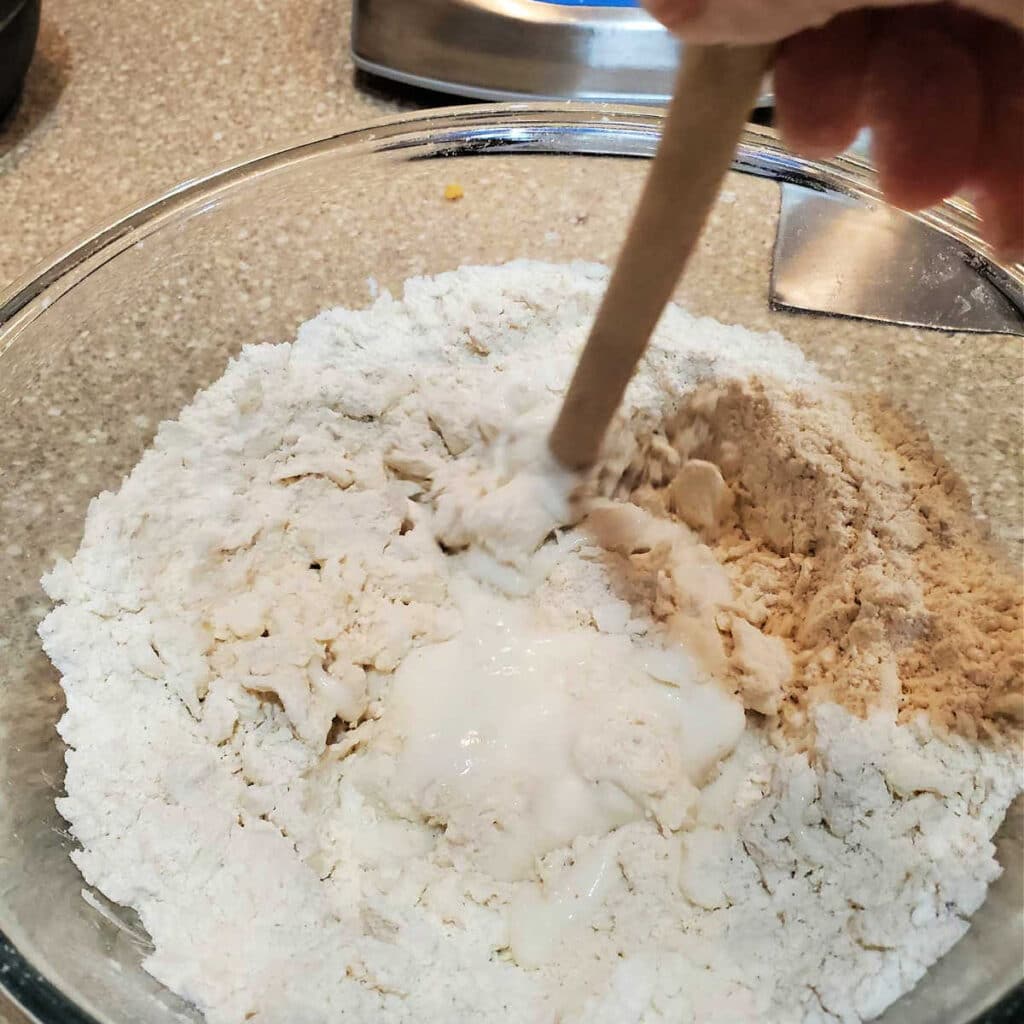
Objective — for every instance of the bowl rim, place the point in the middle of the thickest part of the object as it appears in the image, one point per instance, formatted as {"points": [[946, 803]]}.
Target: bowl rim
{"points": [[456, 130], [847, 174]]}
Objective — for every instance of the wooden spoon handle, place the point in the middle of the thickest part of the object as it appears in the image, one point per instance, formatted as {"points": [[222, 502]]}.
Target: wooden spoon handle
{"points": [[714, 93]]}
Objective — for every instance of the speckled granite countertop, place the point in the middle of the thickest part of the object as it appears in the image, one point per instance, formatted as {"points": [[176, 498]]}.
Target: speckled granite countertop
{"points": [[125, 99]]}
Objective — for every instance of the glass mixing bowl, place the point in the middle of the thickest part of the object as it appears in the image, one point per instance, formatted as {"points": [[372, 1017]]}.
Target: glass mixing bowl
{"points": [[99, 346]]}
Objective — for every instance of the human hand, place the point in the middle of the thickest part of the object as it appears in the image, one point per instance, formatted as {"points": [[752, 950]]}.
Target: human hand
{"points": [[941, 87]]}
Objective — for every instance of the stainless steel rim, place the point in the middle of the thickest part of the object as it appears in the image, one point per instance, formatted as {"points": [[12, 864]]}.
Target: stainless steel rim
{"points": [[553, 128]]}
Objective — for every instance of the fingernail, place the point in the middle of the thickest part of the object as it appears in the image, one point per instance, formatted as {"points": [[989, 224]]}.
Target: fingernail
{"points": [[1011, 252], [1003, 232], [675, 14], [1007, 243]]}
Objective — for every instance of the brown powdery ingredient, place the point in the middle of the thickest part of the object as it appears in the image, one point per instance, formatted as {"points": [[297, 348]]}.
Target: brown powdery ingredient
{"points": [[849, 538]]}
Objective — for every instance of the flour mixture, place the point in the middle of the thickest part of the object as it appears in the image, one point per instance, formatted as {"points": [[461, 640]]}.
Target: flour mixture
{"points": [[373, 715]]}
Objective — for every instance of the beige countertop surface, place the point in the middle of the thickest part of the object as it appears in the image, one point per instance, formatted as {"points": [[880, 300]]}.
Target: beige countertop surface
{"points": [[125, 99], [123, 102]]}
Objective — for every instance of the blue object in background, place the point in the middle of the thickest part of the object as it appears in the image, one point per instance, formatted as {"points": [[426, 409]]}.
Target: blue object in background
{"points": [[592, 3]]}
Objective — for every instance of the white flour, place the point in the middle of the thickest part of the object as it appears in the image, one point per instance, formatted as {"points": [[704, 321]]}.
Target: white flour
{"points": [[549, 813]]}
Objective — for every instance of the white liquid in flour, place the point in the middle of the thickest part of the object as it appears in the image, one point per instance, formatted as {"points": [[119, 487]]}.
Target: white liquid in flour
{"points": [[506, 720]]}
